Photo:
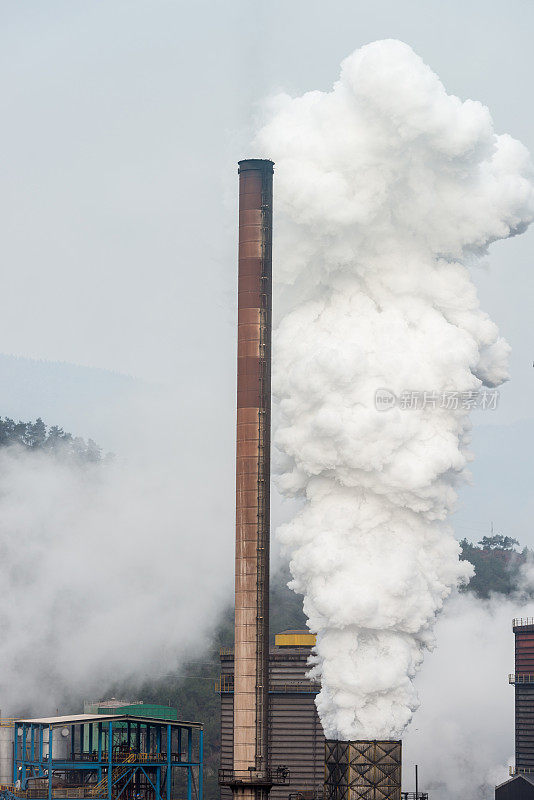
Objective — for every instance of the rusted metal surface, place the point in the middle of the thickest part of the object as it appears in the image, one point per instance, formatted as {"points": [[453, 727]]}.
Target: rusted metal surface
{"points": [[363, 770], [524, 650], [250, 747], [523, 679]]}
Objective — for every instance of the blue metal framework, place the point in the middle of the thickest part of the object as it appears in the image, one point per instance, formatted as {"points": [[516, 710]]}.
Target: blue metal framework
{"points": [[107, 758]]}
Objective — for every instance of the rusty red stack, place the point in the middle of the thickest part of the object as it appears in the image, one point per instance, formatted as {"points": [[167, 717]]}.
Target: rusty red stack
{"points": [[523, 680], [251, 777]]}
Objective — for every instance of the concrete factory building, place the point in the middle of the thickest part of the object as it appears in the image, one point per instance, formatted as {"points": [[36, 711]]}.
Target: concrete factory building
{"points": [[295, 734]]}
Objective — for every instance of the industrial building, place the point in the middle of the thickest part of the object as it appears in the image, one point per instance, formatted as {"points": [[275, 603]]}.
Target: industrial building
{"points": [[523, 681], [521, 785], [106, 756], [295, 734]]}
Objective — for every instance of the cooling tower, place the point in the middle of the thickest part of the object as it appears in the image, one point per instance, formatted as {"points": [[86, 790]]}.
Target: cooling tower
{"points": [[362, 770], [251, 777]]}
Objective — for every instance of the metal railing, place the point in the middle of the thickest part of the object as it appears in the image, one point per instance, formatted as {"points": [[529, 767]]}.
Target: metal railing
{"points": [[73, 792], [111, 703], [143, 757], [225, 684], [414, 795], [527, 678], [516, 771], [226, 651], [278, 776], [519, 622], [312, 687], [67, 792], [116, 774], [132, 758]]}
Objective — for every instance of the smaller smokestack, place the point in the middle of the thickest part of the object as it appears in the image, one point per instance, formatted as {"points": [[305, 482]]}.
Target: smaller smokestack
{"points": [[363, 770]]}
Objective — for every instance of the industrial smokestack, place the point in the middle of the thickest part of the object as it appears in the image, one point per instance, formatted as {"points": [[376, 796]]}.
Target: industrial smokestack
{"points": [[251, 777], [363, 770]]}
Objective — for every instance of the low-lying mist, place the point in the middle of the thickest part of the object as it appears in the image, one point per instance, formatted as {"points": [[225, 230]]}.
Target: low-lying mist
{"points": [[114, 570]]}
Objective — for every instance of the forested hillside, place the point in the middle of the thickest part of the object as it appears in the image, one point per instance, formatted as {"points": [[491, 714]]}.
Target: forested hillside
{"points": [[497, 564], [36, 436]]}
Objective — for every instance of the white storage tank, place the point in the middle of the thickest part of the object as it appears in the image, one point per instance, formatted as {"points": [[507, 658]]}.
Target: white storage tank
{"points": [[7, 730], [60, 742]]}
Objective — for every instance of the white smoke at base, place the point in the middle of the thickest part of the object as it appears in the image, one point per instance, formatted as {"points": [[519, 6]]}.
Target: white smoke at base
{"points": [[468, 752], [388, 189]]}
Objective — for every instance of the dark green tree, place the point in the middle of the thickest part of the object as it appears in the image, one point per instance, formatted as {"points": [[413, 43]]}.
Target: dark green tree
{"points": [[36, 436], [498, 542], [497, 565]]}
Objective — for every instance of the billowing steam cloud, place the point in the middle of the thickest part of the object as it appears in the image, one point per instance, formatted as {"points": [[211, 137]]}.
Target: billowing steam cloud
{"points": [[388, 189], [112, 572]]}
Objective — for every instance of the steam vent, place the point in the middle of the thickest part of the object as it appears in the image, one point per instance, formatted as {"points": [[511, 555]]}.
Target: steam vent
{"points": [[364, 770]]}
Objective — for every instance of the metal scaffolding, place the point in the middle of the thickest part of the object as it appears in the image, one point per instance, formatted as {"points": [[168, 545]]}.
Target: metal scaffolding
{"points": [[107, 757]]}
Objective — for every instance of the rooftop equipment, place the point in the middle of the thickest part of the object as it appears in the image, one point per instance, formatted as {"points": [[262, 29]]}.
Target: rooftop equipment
{"points": [[295, 638], [136, 707]]}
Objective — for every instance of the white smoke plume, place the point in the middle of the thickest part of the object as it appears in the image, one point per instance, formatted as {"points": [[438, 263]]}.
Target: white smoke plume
{"points": [[388, 190]]}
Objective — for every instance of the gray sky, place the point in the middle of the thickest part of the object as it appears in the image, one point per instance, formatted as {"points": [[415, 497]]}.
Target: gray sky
{"points": [[121, 126]]}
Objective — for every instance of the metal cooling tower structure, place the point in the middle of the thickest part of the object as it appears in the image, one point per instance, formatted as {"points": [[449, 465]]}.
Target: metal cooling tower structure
{"points": [[363, 770], [251, 776]]}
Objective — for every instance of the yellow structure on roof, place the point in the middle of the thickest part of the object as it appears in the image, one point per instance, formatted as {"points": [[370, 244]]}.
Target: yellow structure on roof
{"points": [[295, 639]]}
